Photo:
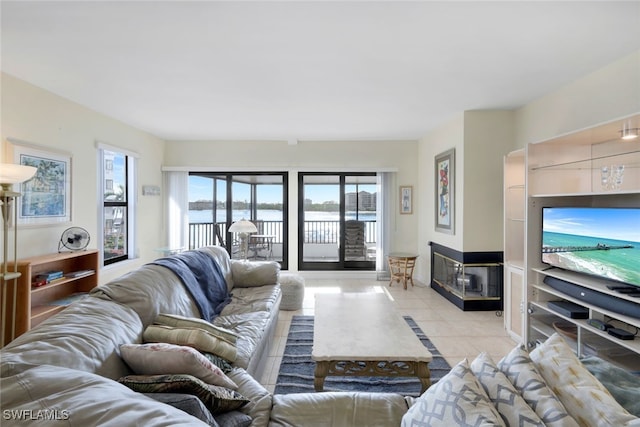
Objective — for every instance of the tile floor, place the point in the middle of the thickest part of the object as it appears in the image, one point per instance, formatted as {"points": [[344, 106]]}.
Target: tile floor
{"points": [[455, 333]]}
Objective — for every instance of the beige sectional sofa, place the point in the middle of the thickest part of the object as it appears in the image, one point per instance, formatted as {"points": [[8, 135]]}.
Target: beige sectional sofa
{"points": [[66, 370]]}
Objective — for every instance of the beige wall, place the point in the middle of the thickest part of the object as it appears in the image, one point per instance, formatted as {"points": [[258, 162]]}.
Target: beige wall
{"points": [[307, 156], [481, 139], [610, 93], [39, 117]]}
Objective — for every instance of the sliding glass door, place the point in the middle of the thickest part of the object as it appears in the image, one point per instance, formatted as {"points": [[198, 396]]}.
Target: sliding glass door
{"points": [[337, 221], [217, 200]]}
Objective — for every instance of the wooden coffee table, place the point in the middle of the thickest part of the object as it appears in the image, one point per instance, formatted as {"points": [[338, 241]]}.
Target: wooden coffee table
{"points": [[358, 334]]}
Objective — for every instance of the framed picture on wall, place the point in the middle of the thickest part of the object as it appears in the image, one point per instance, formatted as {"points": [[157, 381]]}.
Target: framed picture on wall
{"points": [[406, 199], [46, 198], [445, 192]]}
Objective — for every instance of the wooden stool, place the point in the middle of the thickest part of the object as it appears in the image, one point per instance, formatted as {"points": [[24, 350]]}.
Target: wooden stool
{"points": [[401, 267]]}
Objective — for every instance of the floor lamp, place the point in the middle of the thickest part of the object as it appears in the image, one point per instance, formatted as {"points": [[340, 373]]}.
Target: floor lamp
{"points": [[10, 174], [243, 228]]}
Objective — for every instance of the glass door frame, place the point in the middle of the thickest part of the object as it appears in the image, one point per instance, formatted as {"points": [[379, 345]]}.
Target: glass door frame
{"points": [[236, 177], [341, 263]]}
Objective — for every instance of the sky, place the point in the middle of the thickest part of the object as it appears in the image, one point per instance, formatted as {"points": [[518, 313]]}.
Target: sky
{"points": [[612, 223]]}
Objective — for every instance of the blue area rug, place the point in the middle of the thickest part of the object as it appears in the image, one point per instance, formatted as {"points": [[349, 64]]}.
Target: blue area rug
{"points": [[297, 367]]}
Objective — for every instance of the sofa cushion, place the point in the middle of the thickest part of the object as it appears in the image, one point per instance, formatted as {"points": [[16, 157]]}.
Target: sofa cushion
{"points": [[78, 398], [255, 273], [250, 328], [177, 321], [164, 358], [149, 291], [86, 336], [192, 337], [522, 373], [260, 400], [249, 300], [353, 409], [217, 399], [456, 399], [584, 397], [511, 406]]}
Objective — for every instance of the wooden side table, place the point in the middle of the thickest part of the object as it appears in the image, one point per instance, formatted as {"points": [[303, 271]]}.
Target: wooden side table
{"points": [[401, 265]]}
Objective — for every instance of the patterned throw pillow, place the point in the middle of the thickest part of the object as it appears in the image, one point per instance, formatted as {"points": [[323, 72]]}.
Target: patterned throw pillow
{"points": [[192, 337], [217, 399], [455, 400], [177, 321], [163, 358], [511, 406], [522, 373], [585, 398], [218, 361]]}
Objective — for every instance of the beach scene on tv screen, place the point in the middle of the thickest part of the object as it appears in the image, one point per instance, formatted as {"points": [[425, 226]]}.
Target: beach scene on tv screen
{"points": [[598, 241]]}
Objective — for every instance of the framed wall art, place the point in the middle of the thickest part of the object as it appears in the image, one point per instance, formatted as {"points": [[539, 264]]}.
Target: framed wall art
{"points": [[406, 199], [445, 191], [46, 198]]}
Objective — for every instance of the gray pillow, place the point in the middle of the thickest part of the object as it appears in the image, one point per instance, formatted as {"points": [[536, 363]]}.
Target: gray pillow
{"points": [[187, 403], [254, 273], [233, 419]]}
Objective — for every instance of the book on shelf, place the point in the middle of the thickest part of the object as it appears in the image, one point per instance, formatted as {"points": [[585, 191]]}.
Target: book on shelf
{"points": [[80, 273], [63, 302], [49, 275]]}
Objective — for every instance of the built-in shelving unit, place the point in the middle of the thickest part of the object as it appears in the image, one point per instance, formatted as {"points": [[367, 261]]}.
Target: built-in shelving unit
{"points": [[36, 304], [593, 168], [515, 202]]}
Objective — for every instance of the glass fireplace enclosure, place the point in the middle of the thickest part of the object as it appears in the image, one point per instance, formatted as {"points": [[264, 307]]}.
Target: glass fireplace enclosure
{"points": [[470, 282]]}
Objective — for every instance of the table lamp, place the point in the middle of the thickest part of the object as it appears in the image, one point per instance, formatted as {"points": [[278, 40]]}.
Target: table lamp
{"points": [[243, 228]]}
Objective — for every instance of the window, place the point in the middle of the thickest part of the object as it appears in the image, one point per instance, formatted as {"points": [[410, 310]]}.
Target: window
{"points": [[218, 199], [118, 207]]}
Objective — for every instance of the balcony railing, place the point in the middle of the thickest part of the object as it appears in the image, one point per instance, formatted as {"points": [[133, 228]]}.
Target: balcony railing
{"points": [[327, 232]]}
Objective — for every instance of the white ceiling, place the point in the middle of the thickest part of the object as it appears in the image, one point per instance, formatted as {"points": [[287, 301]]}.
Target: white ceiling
{"points": [[296, 70]]}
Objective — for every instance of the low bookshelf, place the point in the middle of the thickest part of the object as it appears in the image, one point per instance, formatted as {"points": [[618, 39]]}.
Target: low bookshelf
{"points": [[35, 304]]}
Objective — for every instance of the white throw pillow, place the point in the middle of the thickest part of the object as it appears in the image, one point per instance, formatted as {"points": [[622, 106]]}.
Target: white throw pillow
{"points": [[177, 321], [512, 407], [164, 358], [522, 373], [457, 399], [585, 398]]}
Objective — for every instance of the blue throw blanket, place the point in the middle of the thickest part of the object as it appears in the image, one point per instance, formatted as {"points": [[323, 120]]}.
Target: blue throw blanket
{"points": [[203, 278]]}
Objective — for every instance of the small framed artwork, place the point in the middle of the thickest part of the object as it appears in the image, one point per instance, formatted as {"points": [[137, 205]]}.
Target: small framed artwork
{"points": [[445, 191], [406, 199], [46, 198]]}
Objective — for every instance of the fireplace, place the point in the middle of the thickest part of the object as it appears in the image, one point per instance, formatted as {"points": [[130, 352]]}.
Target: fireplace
{"points": [[473, 281]]}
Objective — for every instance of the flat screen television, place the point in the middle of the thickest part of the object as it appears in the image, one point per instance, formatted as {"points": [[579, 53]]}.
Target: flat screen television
{"points": [[603, 242]]}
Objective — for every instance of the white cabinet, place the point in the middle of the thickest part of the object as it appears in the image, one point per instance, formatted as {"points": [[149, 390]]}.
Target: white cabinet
{"points": [[589, 168], [514, 243], [514, 302]]}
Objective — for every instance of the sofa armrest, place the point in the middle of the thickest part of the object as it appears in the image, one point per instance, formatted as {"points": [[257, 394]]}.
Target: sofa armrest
{"points": [[248, 274], [354, 409]]}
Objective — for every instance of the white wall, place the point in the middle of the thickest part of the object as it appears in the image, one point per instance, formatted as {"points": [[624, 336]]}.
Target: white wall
{"points": [[481, 139], [610, 93], [310, 156], [39, 117]]}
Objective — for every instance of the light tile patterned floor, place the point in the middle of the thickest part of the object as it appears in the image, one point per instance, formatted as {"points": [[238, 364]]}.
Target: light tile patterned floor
{"points": [[455, 333]]}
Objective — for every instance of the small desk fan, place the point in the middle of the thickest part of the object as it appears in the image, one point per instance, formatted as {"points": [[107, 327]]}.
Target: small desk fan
{"points": [[74, 239]]}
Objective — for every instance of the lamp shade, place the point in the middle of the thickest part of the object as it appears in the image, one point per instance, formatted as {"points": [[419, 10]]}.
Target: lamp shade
{"points": [[243, 226], [11, 173]]}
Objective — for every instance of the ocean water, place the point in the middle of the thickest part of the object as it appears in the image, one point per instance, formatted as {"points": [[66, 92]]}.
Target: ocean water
{"points": [[622, 265], [200, 216]]}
